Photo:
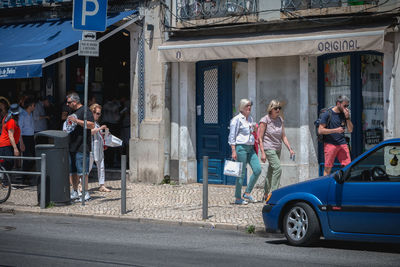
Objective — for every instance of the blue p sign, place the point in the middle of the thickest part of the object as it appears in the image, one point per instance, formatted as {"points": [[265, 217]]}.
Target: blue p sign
{"points": [[89, 15]]}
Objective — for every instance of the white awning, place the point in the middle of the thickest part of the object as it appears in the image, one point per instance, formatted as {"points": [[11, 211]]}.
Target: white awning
{"points": [[272, 45]]}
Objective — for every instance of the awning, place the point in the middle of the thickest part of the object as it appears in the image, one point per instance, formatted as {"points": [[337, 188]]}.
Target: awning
{"points": [[272, 45], [24, 47]]}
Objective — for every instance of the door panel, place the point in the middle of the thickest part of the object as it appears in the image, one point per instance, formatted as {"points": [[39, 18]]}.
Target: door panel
{"points": [[213, 107], [368, 201]]}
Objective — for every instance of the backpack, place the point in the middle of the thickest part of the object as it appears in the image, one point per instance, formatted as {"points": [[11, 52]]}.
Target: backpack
{"points": [[318, 122]]}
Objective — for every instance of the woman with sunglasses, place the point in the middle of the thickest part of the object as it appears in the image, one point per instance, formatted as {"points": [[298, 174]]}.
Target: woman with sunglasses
{"points": [[97, 154], [242, 141], [271, 134]]}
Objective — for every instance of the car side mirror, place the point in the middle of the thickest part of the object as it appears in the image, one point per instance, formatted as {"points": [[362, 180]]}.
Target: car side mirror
{"points": [[339, 176]]}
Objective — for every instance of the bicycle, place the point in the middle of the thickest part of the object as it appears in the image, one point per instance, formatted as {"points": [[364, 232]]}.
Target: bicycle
{"points": [[5, 184]]}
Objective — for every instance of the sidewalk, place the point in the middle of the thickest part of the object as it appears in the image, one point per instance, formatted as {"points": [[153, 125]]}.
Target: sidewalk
{"points": [[173, 204]]}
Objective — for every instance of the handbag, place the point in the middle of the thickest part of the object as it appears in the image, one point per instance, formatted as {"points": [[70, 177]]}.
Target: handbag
{"points": [[112, 141], [233, 168]]}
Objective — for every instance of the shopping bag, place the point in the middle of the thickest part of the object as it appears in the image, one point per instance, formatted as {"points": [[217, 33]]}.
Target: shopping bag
{"points": [[112, 141], [233, 168]]}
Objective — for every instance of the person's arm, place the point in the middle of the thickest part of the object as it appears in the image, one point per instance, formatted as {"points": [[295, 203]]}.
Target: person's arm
{"points": [[12, 141], [233, 131], [89, 124], [286, 141], [323, 130], [261, 132], [349, 124]]}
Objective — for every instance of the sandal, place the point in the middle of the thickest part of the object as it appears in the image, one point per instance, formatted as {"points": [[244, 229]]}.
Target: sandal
{"points": [[104, 189]]}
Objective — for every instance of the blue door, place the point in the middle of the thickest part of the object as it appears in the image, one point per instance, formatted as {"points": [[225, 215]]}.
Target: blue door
{"points": [[214, 112]]}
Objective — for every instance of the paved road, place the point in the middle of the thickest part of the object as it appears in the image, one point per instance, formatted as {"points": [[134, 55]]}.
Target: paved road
{"points": [[32, 240]]}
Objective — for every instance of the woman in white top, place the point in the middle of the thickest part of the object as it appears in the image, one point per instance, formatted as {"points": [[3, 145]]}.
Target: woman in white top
{"points": [[272, 133], [242, 141], [97, 154]]}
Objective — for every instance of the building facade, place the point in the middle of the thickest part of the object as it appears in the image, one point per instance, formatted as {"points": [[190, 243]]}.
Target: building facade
{"points": [[209, 54]]}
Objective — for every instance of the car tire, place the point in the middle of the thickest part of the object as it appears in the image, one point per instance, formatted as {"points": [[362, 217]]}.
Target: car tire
{"points": [[300, 225]]}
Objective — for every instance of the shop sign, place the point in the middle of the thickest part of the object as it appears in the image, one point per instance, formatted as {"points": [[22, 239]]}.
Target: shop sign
{"points": [[373, 136], [7, 71], [338, 46]]}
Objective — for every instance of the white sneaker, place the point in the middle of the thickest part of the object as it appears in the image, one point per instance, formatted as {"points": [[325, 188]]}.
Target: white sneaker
{"points": [[79, 193], [74, 195], [87, 197]]}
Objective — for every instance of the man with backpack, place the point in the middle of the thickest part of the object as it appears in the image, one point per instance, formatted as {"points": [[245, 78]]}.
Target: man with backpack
{"points": [[333, 123]]}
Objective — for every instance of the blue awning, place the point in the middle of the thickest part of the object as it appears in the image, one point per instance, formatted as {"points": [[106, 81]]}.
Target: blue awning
{"points": [[25, 46]]}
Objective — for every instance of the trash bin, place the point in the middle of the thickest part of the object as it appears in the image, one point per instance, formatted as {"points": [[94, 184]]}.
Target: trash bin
{"points": [[54, 144]]}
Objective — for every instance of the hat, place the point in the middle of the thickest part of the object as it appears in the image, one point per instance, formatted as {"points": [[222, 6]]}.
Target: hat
{"points": [[14, 109]]}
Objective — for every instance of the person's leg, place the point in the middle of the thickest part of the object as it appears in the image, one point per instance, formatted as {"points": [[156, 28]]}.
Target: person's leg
{"points": [[274, 161], [343, 155], [256, 167], [330, 152], [241, 157], [74, 180]]}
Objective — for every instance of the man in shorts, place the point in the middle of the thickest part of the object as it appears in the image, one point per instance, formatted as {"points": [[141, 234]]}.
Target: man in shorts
{"points": [[76, 143], [333, 124]]}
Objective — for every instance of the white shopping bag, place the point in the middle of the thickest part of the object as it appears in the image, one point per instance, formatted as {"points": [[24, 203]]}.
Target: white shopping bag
{"points": [[112, 141], [233, 168]]}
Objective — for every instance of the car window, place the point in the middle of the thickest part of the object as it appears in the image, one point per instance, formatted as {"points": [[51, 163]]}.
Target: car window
{"points": [[382, 164]]}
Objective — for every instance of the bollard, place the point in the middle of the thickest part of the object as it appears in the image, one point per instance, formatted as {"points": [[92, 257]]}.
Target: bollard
{"points": [[205, 187], [123, 184], [43, 181]]}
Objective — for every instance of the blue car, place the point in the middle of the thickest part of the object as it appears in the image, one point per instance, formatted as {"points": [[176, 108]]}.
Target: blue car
{"points": [[360, 202]]}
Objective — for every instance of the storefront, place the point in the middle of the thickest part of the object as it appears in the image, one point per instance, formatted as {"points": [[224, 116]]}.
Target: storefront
{"points": [[306, 71]]}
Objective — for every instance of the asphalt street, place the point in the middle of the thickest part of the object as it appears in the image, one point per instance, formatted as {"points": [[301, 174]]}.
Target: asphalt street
{"points": [[39, 240]]}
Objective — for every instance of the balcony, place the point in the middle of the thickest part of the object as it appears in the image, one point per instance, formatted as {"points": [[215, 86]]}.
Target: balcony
{"points": [[203, 12], [294, 8]]}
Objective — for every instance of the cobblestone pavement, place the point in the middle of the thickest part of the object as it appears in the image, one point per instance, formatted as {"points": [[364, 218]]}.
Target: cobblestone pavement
{"points": [[180, 204]]}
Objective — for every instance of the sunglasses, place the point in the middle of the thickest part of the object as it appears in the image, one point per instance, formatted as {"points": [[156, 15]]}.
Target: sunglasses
{"points": [[69, 102], [346, 106], [277, 108], [97, 113]]}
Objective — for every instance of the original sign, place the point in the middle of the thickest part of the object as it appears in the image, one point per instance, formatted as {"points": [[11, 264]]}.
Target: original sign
{"points": [[338, 46], [88, 48]]}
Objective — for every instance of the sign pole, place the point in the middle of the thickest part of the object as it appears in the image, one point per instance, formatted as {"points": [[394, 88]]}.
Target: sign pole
{"points": [[84, 129]]}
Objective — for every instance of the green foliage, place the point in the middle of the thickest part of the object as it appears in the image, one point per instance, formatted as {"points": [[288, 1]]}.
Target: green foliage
{"points": [[251, 229]]}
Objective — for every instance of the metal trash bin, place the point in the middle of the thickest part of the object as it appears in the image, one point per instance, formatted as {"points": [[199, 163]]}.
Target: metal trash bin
{"points": [[55, 145]]}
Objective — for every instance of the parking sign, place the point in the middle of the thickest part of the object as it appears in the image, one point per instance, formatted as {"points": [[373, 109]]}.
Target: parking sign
{"points": [[89, 15]]}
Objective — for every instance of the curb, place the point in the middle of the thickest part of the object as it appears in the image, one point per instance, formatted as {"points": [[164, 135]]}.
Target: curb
{"points": [[259, 231]]}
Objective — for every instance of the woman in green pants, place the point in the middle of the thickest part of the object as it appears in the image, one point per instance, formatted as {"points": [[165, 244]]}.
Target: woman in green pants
{"points": [[271, 135], [242, 141]]}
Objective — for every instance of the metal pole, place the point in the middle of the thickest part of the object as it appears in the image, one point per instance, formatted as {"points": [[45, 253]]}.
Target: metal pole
{"points": [[123, 184], [84, 129], [205, 187], [43, 181]]}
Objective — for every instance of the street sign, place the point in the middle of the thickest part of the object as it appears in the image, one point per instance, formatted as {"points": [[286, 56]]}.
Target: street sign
{"points": [[88, 48], [89, 15], [88, 36]]}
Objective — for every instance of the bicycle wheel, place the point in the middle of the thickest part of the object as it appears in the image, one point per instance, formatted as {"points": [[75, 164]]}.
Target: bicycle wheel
{"points": [[5, 186]]}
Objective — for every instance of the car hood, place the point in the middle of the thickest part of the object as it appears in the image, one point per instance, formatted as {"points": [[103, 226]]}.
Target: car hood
{"points": [[317, 187]]}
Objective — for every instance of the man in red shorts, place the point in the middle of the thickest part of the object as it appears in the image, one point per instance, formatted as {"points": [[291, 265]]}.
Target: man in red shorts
{"points": [[333, 124]]}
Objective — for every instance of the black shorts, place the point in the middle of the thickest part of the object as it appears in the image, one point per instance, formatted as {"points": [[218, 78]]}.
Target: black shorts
{"points": [[7, 151]]}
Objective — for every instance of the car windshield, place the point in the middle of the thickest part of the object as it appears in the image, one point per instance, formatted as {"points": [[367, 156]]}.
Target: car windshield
{"points": [[382, 164]]}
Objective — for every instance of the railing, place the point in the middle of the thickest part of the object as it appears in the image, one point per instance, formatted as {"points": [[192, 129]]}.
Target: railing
{"points": [[293, 5], [204, 9], [42, 174]]}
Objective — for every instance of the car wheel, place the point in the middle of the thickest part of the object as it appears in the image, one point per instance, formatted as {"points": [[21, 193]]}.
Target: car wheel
{"points": [[301, 226]]}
